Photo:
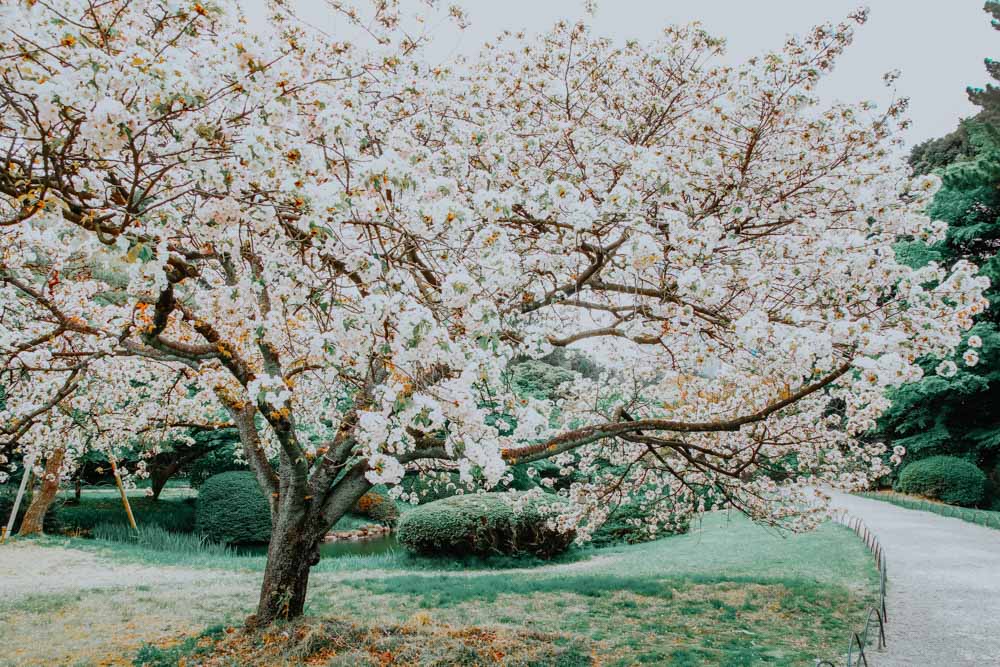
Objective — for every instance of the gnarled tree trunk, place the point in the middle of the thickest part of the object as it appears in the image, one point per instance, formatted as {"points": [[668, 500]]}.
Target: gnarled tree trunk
{"points": [[303, 508], [299, 526], [160, 476], [42, 500], [290, 556]]}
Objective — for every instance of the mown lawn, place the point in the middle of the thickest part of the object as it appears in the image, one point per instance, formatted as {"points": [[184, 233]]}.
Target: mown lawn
{"points": [[729, 593]]}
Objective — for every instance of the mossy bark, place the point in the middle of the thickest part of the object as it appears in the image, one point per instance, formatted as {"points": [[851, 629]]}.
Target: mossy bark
{"points": [[42, 500], [298, 528], [290, 557]]}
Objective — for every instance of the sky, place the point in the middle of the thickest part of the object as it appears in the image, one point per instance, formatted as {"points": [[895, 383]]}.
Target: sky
{"points": [[938, 45]]}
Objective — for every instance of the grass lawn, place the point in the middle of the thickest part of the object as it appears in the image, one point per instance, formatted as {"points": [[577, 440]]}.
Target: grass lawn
{"points": [[988, 518], [729, 593]]}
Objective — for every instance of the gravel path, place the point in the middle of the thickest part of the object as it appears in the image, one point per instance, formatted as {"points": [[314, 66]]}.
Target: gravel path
{"points": [[944, 586]]}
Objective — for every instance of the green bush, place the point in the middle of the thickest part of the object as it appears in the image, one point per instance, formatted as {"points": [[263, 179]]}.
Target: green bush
{"points": [[627, 523], [218, 460], [483, 525], [378, 507], [946, 478], [232, 509], [538, 379], [173, 515]]}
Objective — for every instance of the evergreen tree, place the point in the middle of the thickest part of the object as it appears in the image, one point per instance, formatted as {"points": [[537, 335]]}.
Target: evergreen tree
{"points": [[958, 415]]}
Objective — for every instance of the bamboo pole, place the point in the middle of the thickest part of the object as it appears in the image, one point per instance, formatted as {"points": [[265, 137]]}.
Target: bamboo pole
{"points": [[121, 490], [9, 528]]}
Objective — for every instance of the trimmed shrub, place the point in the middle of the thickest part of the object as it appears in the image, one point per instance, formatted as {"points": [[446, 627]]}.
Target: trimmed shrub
{"points": [[946, 478], [485, 524], [378, 507], [621, 526], [232, 509], [173, 515]]}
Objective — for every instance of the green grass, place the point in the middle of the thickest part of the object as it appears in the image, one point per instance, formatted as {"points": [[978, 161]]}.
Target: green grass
{"points": [[175, 514], [154, 538], [41, 603], [339, 643], [120, 547], [987, 518], [171, 656], [728, 593]]}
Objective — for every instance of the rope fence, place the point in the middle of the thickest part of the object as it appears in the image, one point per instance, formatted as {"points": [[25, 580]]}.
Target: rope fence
{"points": [[878, 616]]}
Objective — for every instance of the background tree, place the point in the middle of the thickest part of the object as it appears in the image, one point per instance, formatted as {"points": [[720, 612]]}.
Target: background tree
{"points": [[213, 447], [955, 415], [343, 247]]}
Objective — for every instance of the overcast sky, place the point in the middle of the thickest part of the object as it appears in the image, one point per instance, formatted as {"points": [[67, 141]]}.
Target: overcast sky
{"points": [[939, 45]]}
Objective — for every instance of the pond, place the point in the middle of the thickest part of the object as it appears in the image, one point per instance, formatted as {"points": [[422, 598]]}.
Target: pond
{"points": [[369, 547]]}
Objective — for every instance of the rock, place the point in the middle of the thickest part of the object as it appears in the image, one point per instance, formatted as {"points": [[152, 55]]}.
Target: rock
{"points": [[364, 533]]}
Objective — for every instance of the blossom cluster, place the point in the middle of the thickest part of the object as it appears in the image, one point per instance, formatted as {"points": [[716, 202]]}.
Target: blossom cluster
{"points": [[200, 219]]}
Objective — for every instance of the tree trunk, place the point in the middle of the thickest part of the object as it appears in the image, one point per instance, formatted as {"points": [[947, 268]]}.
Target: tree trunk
{"points": [[290, 555], [161, 475], [41, 501], [299, 528]]}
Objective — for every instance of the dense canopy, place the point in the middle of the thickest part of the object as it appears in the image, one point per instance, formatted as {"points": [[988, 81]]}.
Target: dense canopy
{"points": [[340, 248]]}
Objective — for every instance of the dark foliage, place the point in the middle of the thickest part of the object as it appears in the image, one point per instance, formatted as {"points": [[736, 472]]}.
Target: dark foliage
{"points": [[946, 478], [957, 415], [219, 457], [50, 523], [173, 515], [232, 509]]}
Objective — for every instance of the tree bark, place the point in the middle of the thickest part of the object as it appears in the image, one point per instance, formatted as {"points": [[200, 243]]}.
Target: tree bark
{"points": [[290, 556], [160, 476], [299, 526], [41, 501]]}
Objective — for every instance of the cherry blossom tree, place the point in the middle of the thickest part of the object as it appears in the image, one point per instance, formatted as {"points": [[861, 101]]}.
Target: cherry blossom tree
{"points": [[338, 248]]}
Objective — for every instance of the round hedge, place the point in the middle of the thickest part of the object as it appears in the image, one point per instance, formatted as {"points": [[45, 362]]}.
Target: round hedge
{"points": [[232, 509], [484, 524], [946, 478]]}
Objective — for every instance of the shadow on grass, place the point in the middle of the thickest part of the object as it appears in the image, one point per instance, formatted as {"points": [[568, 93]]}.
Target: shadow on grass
{"points": [[446, 591]]}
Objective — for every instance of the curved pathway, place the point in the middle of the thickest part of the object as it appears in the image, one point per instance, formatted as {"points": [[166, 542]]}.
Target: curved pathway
{"points": [[943, 588]]}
